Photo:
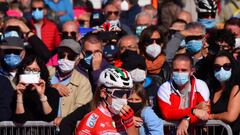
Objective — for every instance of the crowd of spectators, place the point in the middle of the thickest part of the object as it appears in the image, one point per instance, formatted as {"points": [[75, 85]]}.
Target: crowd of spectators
{"points": [[143, 60]]}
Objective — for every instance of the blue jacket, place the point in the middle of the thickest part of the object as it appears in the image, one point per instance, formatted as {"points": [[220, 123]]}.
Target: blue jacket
{"points": [[152, 124]]}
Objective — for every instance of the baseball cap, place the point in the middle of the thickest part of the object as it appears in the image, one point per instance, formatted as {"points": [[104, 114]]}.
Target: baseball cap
{"points": [[12, 43], [71, 44]]}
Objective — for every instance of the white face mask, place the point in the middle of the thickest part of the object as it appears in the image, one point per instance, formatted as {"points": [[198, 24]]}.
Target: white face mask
{"points": [[143, 3], [117, 104], [66, 65], [138, 75], [124, 5], [153, 50], [237, 42]]}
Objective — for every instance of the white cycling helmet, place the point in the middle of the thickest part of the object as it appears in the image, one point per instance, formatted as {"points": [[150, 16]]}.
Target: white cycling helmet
{"points": [[206, 6], [115, 78]]}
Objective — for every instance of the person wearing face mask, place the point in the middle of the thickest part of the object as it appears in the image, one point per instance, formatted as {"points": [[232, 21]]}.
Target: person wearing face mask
{"points": [[34, 98], [145, 119], [151, 45], [206, 10], [130, 9], [184, 98], [225, 93], [73, 86], [12, 54], [91, 62], [143, 20], [41, 26], [110, 114]]}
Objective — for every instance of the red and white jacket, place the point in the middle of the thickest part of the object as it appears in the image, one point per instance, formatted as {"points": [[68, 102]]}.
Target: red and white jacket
{"points": [[169, 100]]}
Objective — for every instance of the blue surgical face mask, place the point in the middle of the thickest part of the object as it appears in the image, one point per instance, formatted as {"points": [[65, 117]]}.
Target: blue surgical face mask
{"points": [[180, 78], [223, 75], [88, 59], [139, 29], [208, 23], [37, 14], [194, 46], [12, 60]]}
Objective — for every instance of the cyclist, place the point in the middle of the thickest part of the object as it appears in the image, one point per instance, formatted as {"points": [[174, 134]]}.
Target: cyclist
{"points": [[111, 114]]}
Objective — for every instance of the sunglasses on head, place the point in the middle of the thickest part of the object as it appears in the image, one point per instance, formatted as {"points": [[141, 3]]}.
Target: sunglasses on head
{"points": [[62, 54], [226, 66], [119, 93], [151, 40], [112, 12], [35, 8]]}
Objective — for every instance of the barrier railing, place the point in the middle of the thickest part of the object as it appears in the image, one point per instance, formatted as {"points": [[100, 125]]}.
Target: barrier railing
{"points": [[211, 127], [45, 128]]}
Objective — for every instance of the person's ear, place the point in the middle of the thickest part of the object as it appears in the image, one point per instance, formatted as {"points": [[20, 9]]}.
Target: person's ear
{"points": [[22, 54], [103, 93], [193, 70], [45, 11]]}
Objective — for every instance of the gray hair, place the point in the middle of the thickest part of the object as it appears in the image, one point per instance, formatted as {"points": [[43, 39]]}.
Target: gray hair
{"points": [[143, 14], [193, 25], [127, 37]]}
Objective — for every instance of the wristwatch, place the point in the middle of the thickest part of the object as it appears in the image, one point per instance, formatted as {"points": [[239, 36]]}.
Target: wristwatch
{"points": [[188, 118]]}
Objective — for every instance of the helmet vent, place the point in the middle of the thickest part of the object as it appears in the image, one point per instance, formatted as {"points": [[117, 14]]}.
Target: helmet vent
{"points": [[112, 78]]}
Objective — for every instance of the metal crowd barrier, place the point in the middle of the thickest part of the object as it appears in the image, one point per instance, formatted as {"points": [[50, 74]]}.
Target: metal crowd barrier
{"points": [[28, 128], [211, 127]]}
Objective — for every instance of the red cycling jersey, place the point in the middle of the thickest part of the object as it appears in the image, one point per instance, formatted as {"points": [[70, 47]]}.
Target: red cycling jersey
{"points": [[100, 122]]}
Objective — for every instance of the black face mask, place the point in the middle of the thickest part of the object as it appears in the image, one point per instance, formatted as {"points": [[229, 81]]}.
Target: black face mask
{"points": [[136, 107]]}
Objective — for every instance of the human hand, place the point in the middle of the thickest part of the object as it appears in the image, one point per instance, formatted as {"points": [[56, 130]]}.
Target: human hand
{"points": [[62, 89], [204, 106], [16, 22], [21, 87], [201, 114], [97, 60], [40, 87], [137, 121], [126, 114], [182, 128], [60, 13], [57, 121]]}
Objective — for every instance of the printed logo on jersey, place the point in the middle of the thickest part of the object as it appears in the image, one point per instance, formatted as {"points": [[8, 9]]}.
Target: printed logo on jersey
{"points": [[92, 120]]}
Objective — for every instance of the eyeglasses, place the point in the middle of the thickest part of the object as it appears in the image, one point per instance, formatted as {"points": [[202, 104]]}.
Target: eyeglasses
{"points": [[62, 54], [226, 66], [12, 51], [35, 8], [66, 33], [112, 12], [28, 70], [151, 40], [130, 47], [119, 93], [207, 14], [194, 38]]}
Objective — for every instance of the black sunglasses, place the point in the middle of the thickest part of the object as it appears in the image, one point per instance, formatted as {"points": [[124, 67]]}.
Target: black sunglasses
{"points": [[207, 14], [12, 51], [112, 12], [72, 33], [70, 56], [35, 8], [193, 38], [151, 40], [226, 66]]}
